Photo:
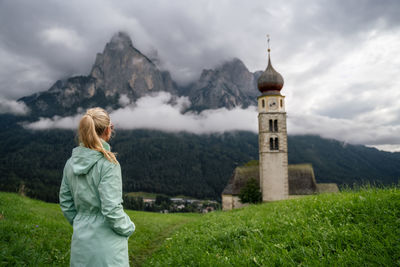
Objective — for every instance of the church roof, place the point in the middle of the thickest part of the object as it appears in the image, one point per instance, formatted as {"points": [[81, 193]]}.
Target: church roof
{"points": [[240, 177], [301, 179], [270, 79]]}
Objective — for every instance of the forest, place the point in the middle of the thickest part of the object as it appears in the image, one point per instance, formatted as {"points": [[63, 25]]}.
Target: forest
{"points": [[31, 162]]}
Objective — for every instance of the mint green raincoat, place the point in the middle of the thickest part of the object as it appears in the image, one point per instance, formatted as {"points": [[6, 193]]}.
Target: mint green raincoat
{"points": [[90, 198]]}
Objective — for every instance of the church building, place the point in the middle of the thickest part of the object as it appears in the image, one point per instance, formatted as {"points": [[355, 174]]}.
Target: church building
{"points": [[277, 179], [272, 135]]}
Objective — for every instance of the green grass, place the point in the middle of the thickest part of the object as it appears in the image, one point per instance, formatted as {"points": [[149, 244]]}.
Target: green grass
{"points": [[348, 229], [143, 194], [32, 232], [151, 230], [35, 233], [353, 228], [153, 195]]}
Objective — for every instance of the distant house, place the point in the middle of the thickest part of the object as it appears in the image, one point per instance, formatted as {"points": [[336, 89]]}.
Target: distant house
{"points": [[149, 200], [181, 206], [301, 182], [207, 210], [176, 199]]}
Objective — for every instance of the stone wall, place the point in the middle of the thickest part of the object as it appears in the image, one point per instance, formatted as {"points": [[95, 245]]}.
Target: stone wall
{"points": [[230, 202]]}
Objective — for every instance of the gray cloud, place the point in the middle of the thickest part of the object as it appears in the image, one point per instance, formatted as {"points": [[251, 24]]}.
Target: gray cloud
{"points": [[340, 59], [13, 107], [350, 131], [389, 148], [124, 100], [62, 38]]}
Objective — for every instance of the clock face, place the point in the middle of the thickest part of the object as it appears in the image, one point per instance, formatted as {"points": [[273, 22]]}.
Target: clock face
{"points": [[273, 103]]}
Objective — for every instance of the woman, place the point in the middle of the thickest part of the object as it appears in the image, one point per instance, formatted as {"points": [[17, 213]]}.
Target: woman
{"points": [[91, 197]]}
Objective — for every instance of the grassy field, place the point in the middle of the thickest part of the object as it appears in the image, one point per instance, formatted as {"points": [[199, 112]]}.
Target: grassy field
{"points": [[35, 233], [347, 229], [354, 228]]}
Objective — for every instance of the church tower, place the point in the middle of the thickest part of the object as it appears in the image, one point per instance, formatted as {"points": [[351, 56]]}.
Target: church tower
{"points": [[272, 135]]}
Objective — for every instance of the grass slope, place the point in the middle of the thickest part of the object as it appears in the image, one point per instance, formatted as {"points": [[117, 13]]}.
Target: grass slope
{"points": [[359, 228], [35, 233], [349, 229]]}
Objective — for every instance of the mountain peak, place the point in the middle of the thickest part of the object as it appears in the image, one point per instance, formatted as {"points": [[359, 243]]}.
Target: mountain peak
{"points": [[120, 40], [234, 62], [234, 66], [123, 69], [228, 85], [121, 35]]}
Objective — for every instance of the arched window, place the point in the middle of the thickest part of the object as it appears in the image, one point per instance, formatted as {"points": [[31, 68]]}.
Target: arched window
{"points": [[271, 129], [271, 144], [275, 125], [263, 103], [276, 147], [281, 103]]}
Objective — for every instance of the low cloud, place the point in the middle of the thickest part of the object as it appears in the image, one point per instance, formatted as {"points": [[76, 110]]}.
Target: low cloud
{"points": [[388, 148], [56, 122], [123, 100], [350, 131], [165, 113], [13, 107]]}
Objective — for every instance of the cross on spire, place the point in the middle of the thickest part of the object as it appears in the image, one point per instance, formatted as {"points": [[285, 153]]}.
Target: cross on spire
{"points": [[269, 49]]}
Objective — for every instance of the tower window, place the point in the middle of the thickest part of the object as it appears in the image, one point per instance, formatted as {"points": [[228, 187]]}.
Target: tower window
{"points": [[263, 103], [271, 129], [275, 125], [271, 144], [276, 147], [281, 103]]}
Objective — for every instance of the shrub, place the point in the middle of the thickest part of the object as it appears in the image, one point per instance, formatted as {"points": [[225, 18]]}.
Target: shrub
{"points": [[250, 193]]}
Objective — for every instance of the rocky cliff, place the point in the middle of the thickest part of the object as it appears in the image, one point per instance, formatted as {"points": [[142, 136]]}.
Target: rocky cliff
{"points": [[122, 70], [229, 85]]}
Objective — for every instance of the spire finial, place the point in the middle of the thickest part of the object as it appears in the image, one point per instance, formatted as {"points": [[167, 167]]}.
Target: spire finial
{"points": [[270, 80]]}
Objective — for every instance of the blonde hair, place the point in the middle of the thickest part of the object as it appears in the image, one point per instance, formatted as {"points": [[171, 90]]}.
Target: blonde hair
{"points": [[91, 127]]}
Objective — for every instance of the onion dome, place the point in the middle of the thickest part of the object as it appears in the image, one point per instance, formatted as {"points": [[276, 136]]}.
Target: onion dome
{"points": [[270, 80]]}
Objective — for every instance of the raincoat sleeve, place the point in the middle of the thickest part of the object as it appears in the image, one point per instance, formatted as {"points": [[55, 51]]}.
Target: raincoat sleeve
{"points": [[66, 201], [110, 191]]}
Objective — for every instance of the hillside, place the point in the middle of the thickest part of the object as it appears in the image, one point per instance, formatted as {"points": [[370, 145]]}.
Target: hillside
{"points": [[35, 233], [343, 163], [347, 229], [358, 228], [180, 164], [173, 164]]}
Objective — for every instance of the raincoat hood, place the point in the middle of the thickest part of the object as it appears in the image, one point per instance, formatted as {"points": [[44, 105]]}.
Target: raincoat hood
{"points": [[83, 158]]}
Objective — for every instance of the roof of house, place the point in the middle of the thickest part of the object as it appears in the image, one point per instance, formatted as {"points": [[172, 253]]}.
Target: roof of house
{"points": [[327, 188], [301, 179]]}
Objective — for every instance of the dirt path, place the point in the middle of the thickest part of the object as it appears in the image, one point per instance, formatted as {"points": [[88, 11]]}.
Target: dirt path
{"points": [[143, 254]]}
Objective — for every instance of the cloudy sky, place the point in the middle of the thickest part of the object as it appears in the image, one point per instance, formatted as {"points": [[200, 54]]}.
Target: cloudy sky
{"points": [[340, 59]]}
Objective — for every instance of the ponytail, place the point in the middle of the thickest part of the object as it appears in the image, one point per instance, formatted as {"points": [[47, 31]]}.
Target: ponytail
{"points": [[91, 126]]}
